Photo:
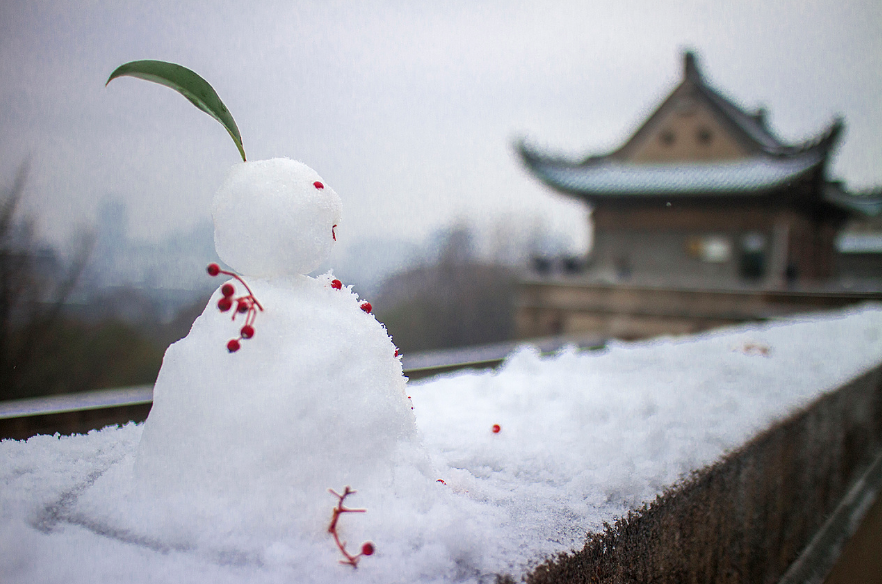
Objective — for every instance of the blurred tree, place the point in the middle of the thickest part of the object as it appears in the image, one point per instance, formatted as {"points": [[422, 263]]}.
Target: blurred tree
{"points": [[454, 302], [42, 349]]}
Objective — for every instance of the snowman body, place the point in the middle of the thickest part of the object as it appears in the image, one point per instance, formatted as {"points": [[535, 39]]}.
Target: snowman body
{"points": [[314, 400]]}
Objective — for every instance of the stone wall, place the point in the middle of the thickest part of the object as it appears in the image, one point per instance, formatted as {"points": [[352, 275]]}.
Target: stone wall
{"points": [[554, 307], [747, 517]]}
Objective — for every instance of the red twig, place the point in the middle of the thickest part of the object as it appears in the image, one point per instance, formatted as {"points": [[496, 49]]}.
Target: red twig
{"points": [[367, 548]]}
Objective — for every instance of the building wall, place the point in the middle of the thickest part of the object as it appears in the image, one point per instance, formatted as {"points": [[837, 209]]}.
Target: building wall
{"points": [[712, 243], [666, 255], [688, 133], [682, 243], [630, 311]]}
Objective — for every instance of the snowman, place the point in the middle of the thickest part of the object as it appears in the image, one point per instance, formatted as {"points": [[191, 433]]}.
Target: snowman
{"points": [[306, 396], [287, 396]]}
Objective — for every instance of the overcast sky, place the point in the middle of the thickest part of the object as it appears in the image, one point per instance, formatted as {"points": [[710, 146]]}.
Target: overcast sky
{"points": [[408, 109]]}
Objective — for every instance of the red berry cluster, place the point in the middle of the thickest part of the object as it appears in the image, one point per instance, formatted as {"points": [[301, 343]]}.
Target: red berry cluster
{"points": [[246, 304], [367, 548]]}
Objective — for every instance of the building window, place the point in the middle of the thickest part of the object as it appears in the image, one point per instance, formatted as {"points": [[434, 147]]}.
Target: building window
{"points": [[752, 265], [704, 136], [713, 249], [667, 138]]}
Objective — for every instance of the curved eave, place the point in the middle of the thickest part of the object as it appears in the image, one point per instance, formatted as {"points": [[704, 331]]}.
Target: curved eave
{"points": [[606, 178], [869, 204]]}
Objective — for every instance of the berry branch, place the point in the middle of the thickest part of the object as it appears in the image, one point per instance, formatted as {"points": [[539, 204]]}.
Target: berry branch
{"points": [[246, 304], [367, 548]]}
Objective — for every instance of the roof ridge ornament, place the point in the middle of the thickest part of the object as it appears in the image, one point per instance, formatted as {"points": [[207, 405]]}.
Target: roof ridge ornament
{"points": [[690, 66]]}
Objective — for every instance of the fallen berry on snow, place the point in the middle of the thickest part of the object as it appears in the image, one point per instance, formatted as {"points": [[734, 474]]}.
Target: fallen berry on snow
{"points": [[496, 428], [233, 346], [336, 284], [366, 306]]}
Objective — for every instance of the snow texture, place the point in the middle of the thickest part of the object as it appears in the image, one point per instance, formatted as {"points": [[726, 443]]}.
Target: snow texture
{"points": [[274, 217], [584, 437]]}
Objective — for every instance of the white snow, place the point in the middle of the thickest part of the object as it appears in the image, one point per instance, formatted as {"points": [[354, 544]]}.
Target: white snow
{"points": [[274, 217], [584, 437], [228, 479]]}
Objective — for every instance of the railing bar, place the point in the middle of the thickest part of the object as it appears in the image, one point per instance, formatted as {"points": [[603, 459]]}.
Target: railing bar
{"points": [[820, 555]]}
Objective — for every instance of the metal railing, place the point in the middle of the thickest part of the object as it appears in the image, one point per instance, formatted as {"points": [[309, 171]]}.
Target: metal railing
{"points": [[79, 413]]}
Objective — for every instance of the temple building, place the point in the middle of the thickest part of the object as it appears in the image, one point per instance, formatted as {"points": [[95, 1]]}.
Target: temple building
{"points": [[704, 191], [702, 196]]}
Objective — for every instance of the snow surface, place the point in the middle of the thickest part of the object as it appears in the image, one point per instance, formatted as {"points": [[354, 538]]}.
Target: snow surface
{"points": [[584, 437]]}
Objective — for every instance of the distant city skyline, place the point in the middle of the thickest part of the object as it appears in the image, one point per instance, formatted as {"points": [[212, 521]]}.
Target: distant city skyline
{"points": [[408, 110]]}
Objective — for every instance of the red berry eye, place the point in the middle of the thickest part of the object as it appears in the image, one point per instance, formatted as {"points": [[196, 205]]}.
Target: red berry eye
{"points": [[318, 185]]}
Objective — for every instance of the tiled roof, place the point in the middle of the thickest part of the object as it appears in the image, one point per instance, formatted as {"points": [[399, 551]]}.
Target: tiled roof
{"points": [[771, 163], [867, 203], [602, 177]]}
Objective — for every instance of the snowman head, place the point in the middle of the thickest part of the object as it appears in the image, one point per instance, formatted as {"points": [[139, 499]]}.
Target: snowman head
{"points": [[274, 217]]}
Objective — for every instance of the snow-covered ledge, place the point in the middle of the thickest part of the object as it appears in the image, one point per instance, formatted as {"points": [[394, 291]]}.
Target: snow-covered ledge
{"points": [[750, 435], [750, 516]]}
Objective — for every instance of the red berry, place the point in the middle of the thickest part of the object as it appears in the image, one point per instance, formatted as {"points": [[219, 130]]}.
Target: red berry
{"points": [[228, 290], [366, 306], [396, 353], [233, 346], [247, 331], [242, 306], [213, 270], [318, 185], [336, 284], [367, 549], [496, 428], [441, 481], [224, 304]]}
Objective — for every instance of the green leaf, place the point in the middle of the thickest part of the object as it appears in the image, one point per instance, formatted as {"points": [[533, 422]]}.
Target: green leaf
{"points": [[188, 84]]}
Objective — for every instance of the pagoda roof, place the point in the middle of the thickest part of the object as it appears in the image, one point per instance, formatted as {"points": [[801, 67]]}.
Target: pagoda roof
{"points": [[763, 162], [605, 177], [867, 203]]}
